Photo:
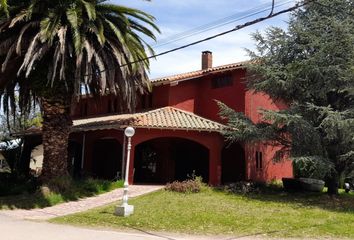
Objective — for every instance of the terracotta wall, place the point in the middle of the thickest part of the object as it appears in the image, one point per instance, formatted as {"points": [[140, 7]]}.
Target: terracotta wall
{"points": [[272, 170], [198, 96], [233, 96]]}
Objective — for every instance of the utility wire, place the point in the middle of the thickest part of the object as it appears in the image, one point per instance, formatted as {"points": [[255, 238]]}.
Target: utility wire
{"points": [[236, 28], [218, 23]]}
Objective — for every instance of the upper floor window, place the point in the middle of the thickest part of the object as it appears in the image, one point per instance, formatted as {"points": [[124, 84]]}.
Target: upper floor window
{"points": [[259, 160], [221, 81]]}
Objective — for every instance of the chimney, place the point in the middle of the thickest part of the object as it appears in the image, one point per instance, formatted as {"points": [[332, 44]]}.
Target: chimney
{"points": [[207, 60]]}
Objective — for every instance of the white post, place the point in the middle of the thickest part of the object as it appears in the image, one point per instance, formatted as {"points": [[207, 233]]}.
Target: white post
{"points": [[125, 209], [126, 180], [123, 156]]}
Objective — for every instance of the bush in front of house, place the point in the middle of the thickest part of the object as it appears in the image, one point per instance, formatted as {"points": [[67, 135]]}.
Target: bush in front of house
{"points": [[242, 187], [193, 185], [11, 184]]}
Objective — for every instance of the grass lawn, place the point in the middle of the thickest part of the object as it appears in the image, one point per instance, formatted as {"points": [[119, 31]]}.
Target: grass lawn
{"points": [[31, 197], [276, 214]]}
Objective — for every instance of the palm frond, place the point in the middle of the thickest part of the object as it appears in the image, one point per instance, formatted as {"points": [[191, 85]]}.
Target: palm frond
{"points": [[73, 18], [4, 7], [90, 9]]}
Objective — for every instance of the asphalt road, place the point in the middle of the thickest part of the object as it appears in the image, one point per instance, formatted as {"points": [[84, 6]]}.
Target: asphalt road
{"points": [[16, 229]]}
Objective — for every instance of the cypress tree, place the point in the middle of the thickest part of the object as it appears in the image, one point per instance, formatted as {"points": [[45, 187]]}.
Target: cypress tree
{"points": [[310, 67]]}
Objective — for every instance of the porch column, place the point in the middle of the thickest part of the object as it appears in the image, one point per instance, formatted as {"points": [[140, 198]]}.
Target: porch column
{"points": [[215, 164]]}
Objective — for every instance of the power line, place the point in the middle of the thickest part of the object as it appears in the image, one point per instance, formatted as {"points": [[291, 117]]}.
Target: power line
{"points": [[236, 28], [221, 22]]}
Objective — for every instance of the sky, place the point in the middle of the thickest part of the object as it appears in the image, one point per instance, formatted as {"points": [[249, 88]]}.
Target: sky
{"points": [[178, 16]]}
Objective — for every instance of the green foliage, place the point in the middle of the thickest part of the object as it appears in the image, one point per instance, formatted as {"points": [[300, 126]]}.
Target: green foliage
{"points": [[12, 155], [28, 193], [52, 48], [18, 122], [11, 184], [310, 68]]}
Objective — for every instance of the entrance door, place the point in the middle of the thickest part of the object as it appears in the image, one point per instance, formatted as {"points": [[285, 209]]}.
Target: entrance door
{"points": [[107, 158]]}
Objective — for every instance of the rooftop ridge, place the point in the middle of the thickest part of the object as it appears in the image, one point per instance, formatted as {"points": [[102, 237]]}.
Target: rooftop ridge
{"points": [[197, 73]]}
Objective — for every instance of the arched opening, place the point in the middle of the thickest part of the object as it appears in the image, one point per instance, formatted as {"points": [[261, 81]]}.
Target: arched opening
{"points": [[74, 159], [164, 160], [107, 159], [233, 163]]}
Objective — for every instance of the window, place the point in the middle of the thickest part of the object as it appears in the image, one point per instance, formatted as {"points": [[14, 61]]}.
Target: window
{"points": [[221, 81], [259, 160]]}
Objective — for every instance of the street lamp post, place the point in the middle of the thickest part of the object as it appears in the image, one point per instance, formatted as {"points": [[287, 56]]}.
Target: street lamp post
{"points": [[125, 209]]}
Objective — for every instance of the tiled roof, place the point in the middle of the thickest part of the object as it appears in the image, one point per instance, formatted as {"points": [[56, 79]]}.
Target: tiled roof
{"points": [[199, 73], [162, 118]]}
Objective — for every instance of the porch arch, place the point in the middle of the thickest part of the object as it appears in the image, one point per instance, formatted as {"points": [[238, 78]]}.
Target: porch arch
{"points": [[165, 159]]}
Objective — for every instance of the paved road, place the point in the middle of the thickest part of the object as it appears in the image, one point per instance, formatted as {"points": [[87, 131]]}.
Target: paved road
{"points": [[17, 229]]}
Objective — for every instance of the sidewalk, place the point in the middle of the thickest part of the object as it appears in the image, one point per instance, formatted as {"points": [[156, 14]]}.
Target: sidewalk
{"points": [[80, 205]]}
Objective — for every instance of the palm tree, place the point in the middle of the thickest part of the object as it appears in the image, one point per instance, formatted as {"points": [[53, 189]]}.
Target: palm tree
{"points": [[49, 49]]}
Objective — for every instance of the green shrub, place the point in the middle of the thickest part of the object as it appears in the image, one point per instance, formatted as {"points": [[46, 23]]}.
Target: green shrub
{"points": [[60, 184], [99, 186], [242, 187], [11, 184], [193, 185]]}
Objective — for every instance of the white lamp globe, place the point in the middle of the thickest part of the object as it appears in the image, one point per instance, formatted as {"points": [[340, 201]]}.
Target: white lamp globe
{"points": [[129, 132]]}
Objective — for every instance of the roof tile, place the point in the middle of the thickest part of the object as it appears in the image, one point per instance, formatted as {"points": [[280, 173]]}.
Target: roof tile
{"points": [[162, 118], [199, 73]]}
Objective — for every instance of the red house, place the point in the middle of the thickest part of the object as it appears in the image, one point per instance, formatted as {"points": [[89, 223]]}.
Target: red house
{"points": [[178, 131]]}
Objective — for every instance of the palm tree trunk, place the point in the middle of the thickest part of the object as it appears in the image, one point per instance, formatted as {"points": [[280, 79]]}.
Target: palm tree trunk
{"points": [[56, 128]]}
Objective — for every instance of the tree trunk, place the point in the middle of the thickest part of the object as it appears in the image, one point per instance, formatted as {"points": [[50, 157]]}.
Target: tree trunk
{"points": [[332, 184], [56, 129]]}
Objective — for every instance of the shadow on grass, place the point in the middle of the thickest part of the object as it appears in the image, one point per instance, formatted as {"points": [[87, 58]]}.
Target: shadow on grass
{"points": [[341, 203], [153, 234], [268, 233], [36, 197]]}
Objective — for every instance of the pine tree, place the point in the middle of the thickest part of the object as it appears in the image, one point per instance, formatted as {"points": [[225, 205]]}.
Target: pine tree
{"points": [[310, 67]]}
